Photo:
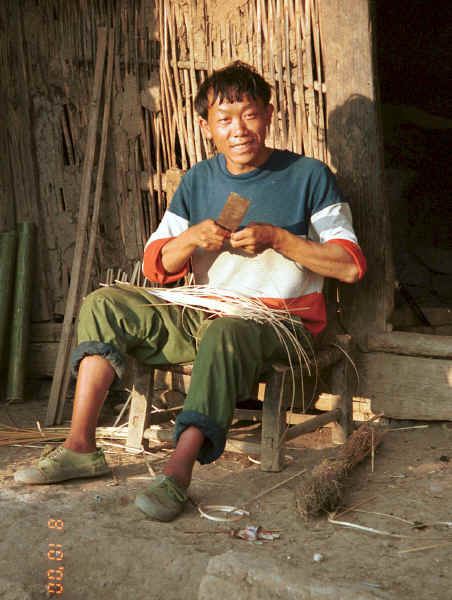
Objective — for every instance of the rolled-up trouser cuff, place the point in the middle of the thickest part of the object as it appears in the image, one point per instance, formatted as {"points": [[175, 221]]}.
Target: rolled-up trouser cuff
{"points": [[107, 351], [215, 435]]}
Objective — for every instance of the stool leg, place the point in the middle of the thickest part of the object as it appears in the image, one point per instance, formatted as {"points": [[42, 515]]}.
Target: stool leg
{"points": [[343, 384], [139, 412], [273, 423]]}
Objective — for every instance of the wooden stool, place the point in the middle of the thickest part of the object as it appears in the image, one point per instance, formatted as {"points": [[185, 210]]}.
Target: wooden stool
{"points": [[277, 396]]}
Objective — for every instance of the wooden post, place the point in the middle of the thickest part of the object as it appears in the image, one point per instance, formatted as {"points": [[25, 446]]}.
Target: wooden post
{"points": [[343, 383], [8, 243], [273, 423], [137, 419], [354, 142]]}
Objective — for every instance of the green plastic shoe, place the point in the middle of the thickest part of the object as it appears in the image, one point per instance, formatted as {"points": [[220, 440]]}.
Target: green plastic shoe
{"points": [[60, 464], [164, 499]]}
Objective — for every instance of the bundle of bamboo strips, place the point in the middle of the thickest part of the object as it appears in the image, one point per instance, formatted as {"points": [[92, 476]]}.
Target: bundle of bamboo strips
{"points": [[14, 435]]}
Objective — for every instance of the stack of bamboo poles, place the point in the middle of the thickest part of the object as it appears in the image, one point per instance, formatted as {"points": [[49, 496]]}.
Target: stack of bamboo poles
{"points": [[22, 436]]}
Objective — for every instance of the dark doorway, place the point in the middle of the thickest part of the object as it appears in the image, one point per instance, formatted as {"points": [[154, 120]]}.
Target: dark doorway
{"points": [[414, 62]]}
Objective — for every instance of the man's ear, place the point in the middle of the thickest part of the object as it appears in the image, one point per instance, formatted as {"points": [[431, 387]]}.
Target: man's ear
{"points": [[270, 109], [205, 128]]}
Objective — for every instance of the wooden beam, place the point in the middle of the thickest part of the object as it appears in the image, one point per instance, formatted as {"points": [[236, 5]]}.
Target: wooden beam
{"points": [[313, 423], [411, 344], [407, 387]]}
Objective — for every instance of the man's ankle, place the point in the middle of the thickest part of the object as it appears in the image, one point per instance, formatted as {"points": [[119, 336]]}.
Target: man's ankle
{"points": [[181, 478], [82, 447]]}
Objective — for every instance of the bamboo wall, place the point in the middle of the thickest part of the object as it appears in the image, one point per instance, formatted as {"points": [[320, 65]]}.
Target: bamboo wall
{"points": [[163, 50]]}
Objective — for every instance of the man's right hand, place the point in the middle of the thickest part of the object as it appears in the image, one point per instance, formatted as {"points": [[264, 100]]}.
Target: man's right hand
{"points": [[206, 235]]}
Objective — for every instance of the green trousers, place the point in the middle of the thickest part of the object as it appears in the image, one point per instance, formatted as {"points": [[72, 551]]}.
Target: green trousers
{"points": [[230, 353]]}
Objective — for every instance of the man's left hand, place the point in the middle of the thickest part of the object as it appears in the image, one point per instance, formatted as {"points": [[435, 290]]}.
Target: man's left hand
{"points": [[254, 238]]}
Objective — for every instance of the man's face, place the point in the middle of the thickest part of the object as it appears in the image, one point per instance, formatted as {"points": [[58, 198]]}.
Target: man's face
{"points": [[238, 131]]}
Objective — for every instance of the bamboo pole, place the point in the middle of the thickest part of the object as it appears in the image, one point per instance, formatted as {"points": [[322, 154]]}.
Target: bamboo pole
{"points": [[66, 335], [21, 316], [8, 245]]}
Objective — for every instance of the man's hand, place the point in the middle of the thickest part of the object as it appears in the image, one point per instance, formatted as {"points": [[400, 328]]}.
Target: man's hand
{"points": [[208, 235], [254, 238]]}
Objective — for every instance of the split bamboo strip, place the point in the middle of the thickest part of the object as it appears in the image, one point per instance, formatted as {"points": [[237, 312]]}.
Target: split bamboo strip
{"points": [[288, 83], [264, 20], [227, 40], [169, 111], [153, 216], [321, 130], [124, 19], [157, 137], [136, 191], [194, 87], [145, 146], [66, 335], [217, 47], [302, 138], [209, 48], [274, 128], [279, 70], [250, 37], [309, 78], [189, 118]]}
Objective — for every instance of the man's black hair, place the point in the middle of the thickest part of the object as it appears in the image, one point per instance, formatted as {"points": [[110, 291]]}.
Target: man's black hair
{"points": [[232, 83]]}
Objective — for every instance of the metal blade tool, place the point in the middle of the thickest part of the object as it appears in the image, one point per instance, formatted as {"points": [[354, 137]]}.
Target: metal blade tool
{"points": [[233, 212]]}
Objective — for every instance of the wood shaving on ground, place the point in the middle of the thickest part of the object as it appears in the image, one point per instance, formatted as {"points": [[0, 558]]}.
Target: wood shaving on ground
{"points": [[251, 533]]}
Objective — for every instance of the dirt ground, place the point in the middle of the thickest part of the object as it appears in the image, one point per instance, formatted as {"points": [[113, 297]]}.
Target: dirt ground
{"points": [[110, 550]]}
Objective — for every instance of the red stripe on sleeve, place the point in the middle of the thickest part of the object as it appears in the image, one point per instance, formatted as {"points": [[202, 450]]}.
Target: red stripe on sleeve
{"points": [[355, 252], [153, 268]]}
